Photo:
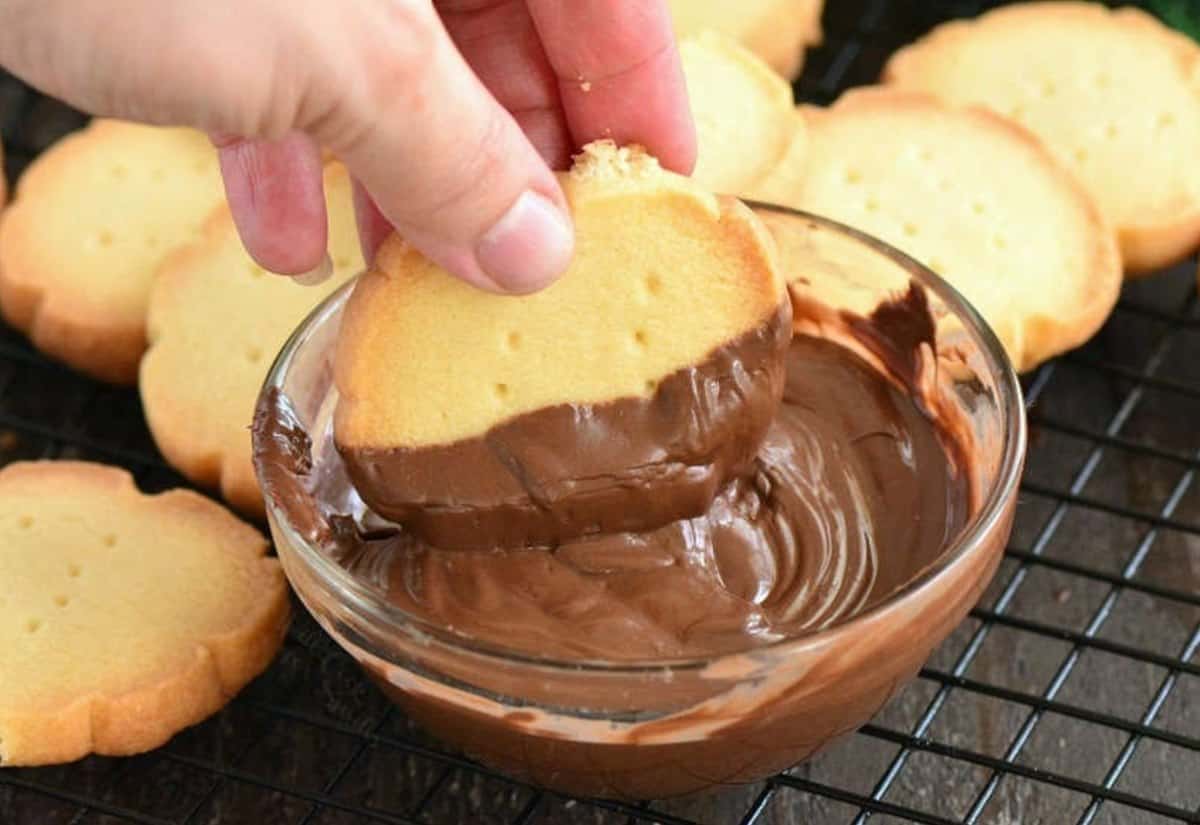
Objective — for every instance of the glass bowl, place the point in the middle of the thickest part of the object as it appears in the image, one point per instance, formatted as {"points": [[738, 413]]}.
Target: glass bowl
{"points": [[651, 729]]}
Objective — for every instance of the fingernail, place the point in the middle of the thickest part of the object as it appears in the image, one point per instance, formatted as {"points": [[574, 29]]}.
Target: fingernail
{"points": [[529, 247], [318, 275]]}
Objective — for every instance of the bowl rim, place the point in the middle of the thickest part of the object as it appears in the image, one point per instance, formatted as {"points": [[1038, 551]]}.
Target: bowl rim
{"points": [[368, 603]]}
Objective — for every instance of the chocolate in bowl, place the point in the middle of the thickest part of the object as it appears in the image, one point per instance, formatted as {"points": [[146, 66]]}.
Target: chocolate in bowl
{"points": [[664, 720]]}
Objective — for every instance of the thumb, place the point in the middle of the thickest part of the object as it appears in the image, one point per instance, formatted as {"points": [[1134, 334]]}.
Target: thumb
{"points": [[450, 168]]}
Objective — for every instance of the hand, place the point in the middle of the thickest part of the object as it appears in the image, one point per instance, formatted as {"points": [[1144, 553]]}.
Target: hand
{"points": [[450, 114]]}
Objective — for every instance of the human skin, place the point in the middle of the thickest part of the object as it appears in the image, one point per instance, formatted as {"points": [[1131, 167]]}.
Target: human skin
{"points": [[450, 114]]}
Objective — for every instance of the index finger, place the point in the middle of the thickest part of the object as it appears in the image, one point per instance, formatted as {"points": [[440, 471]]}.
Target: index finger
{"points": [[619, 74]]}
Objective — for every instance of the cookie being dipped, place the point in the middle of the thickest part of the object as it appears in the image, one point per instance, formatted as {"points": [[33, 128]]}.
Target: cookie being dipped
{"points": [[618, 399]]}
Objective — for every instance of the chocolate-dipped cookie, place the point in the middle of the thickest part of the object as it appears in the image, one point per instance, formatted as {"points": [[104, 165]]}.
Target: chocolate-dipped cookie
{"points": [[620, 398]]}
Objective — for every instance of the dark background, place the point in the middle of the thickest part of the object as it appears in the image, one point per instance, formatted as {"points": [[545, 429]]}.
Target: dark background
{"points": [[1071, 694]]}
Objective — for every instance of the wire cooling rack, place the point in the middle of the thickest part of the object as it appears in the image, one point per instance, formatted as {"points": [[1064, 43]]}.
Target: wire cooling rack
{"points": [[1070, 695]]}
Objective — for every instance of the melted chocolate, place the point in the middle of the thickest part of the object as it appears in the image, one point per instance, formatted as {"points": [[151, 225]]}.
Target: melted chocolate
{"points": [[864, 475], [853, 492], [575, 470]]}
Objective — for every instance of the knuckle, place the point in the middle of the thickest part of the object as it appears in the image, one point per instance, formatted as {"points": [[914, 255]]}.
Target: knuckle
{"points": [[368, 70], [396, 48], [465, 183]]}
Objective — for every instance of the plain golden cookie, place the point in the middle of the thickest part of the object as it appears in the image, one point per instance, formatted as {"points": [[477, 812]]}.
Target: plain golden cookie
{"points": [[91, 220], [745, 118], [1114, 94], [124, 617], [216, 322], [778, 31], [974, 197]]}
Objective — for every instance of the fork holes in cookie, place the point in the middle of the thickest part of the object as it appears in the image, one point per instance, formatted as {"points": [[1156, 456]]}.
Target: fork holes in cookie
{"points": [[1165, 121], [924, 154], [640, 339], [74, 571], [152, 242], [109, 540], [501, 391], [1111, 131], [256, 271], [61, 601], [853, 176], [513, 340], [253, 354], [871, 204], [105, 238], [1049, 88], [158, 175], [1000, 242], [911, 230], [33, 625], [1080, 155], [341, 263], [978, 207], [936, 265], [25, 522], [653, 285], [119, 172], [1103, 81], [650, 387]]}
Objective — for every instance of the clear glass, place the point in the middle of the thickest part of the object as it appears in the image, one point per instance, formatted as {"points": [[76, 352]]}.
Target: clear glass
{"points": [[659, 728]]}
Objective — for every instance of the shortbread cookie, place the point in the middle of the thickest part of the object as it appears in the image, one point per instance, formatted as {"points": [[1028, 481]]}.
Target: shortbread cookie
{"points": [[124, 617], [90, 222], [1114, 94], [974, 197], [618, 398], [215, 324], [745, 118], [778, 31]]}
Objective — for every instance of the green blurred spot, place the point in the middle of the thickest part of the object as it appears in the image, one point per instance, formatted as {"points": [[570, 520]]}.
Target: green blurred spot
{"points": [[1183, 15]]}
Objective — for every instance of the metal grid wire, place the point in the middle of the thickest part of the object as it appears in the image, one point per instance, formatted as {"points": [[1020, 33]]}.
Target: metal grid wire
{"points": [[1070, 694]]}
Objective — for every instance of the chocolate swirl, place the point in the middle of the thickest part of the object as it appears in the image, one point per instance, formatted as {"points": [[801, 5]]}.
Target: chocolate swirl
{"points": [[854, 491]]}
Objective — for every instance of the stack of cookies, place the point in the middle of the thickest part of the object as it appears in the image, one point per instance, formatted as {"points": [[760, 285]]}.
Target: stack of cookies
{"points": [[123, 617], [1114, 96], [1032, 157]]}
